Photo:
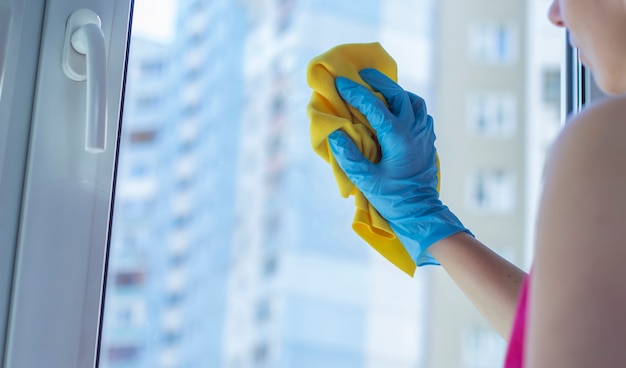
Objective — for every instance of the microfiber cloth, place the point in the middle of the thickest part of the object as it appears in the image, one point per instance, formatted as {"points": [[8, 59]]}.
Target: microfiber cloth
{"points": [[328, 112]]}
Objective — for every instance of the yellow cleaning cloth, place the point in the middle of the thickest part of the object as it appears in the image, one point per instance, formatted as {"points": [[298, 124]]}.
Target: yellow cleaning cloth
{"points": [[328, 112]]}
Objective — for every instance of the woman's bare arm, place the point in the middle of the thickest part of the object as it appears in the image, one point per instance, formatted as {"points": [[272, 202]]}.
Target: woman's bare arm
{"points": [[578, 289], [490, 282]]}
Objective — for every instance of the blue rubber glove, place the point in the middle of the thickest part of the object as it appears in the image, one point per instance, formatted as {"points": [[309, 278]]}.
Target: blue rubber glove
{"points": [[403, 185]]}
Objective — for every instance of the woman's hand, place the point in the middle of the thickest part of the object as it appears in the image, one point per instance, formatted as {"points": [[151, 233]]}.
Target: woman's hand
{"points": [[402, 186]]}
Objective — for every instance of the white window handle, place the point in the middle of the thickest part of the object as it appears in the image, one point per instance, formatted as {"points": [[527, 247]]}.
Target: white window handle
{"points": [[84, 59]]}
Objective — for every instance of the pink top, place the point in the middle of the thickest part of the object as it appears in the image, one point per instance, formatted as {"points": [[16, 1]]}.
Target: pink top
{"points": [[515, 353]]}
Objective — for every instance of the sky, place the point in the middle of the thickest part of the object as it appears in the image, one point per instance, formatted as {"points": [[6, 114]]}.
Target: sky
{"points": [[155, 19]]}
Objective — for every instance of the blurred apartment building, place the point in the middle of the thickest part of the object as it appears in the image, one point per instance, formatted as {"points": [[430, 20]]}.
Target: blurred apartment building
{"points": [[174, 218], [231, 246], [304, 290]]}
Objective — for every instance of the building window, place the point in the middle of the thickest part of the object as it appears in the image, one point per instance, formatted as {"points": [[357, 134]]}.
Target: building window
{"points": [[551, 89], [148, 102], [482, 348], [272, 224], [152, 68], [285, 15], [261, 354], [492, 114], [129, 278], [175, 297], [143, 136], [278, 105], [191, 109], [492, 191], [187, 146], [137, 208], [178, 259], [193, 73], [274, 182], [270, 265], [172, 337], [493, 43], [263, 310], [119, 354], [141, 169], [181, 221], [197, 38], [130, 314]]}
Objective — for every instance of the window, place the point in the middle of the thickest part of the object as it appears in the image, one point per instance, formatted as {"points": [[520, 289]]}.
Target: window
{"points": [[184, 184], [181, 220], [148, 102], [171, 337], [152, 68], [191, 109], [493, 43], [492, 191], [141, 137], [234, 64], [141, 169], [175, 298], [492, 114], [263, 310], [119, 354], [482, 348], [551, 89], [267, 269], [130, 313], [261, 354], [187, 146], [137, 208], [129, 278], [270, 266]]}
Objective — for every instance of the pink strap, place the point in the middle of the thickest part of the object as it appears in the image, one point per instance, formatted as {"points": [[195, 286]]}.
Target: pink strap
{"points": [[515, 353]]}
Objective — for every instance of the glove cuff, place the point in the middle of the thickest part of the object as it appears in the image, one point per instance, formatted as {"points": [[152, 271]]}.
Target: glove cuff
{"points": [[417, 234]]}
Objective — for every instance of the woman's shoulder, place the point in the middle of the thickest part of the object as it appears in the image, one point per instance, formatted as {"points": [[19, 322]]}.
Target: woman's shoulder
{"points": [[605, 116], [588, 158], [580, 244], [597, 133], [584, 192]]}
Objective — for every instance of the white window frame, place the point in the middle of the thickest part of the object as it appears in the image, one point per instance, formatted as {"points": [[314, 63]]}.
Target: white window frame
{"points": [[59, 217], [15, 34]]}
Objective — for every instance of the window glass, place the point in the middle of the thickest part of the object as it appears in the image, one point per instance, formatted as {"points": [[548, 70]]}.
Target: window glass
{"points": [[492, 114], [493, 42], [482, 348], [492, 191], [231, 246]]}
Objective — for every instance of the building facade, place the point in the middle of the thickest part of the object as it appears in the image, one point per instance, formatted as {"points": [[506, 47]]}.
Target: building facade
{"points": [[304, 290], [174, 213]]}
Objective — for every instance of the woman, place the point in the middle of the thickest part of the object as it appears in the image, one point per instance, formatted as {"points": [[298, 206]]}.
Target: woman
{"points": [[571, 312]]}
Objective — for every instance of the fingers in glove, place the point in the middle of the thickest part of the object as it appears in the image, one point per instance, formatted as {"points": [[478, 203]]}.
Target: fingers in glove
{"points": [[422, 119], [357, 167], [374, 109], [397, 98], [418, 104]]}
